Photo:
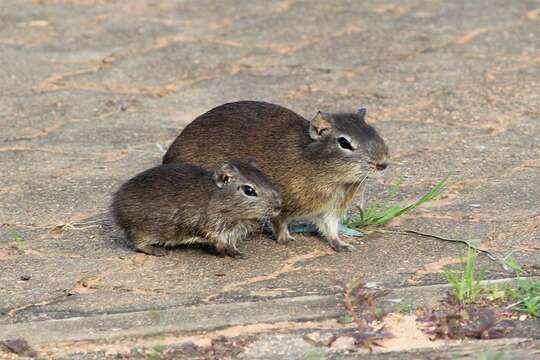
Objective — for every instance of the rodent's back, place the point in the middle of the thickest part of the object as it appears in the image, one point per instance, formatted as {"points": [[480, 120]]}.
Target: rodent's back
{"points": [[269, 132], [155, 195]]}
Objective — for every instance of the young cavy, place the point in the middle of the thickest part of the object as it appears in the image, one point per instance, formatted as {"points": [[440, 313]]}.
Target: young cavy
{"points": [[178, 204], [316, 165]]}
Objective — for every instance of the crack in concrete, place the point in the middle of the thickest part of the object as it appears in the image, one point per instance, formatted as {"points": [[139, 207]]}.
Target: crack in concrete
{"points": [[53, 300], [474, 33], [524, 63], [287, 267], [120, 89], [43, 132], [83, 286], [59, 81], [466, 37], [202, 339], [51, 83]]}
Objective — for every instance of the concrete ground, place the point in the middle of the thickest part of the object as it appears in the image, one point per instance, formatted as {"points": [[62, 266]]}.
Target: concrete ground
{"points": [[92, 91]]}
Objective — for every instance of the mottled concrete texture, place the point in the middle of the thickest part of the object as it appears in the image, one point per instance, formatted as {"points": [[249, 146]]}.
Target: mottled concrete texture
{"points": [[92, 91]]}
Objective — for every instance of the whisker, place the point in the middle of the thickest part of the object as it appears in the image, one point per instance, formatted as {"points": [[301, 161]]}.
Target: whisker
{"points": [[363, 185]]}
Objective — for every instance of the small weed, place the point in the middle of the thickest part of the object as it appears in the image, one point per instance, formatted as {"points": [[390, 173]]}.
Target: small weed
{"points": [[314, 355], [510, 262], [378, 214], [154, 355], [527, 295], [358, 296], [345, 319], [496, 356], [159, 348], [465, 287], [532, 306], [18, 241]]}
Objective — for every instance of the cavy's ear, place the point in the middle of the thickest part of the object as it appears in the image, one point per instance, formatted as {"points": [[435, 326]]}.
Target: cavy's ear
{"points": [[319, 126], [223, 174], [252, 161], [362, 113]]}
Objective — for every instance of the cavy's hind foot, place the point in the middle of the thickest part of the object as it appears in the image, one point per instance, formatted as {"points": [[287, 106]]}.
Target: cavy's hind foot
{"points": [[340, 246], [152, 250]]}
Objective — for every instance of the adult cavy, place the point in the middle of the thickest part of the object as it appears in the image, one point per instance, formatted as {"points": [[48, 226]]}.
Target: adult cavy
{"points": [[316, 165], [177, 204]]}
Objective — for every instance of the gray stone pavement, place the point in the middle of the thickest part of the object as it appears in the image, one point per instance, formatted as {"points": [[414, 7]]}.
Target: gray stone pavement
{"points": [[93, 90]]}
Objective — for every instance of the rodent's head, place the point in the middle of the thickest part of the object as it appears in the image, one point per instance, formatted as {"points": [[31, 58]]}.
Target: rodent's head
{"points": [[347, 145], [245, 192]]}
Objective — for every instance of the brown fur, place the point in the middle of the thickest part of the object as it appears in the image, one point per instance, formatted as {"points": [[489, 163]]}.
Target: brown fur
{"points": [[316, 177], [183, 204]]}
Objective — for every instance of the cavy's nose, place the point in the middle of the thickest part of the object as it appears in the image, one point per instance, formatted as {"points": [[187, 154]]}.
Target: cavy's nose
{"points": [[381, 166]]}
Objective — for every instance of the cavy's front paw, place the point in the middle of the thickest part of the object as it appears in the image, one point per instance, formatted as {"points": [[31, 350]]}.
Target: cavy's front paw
{"points": [[286, 239]]}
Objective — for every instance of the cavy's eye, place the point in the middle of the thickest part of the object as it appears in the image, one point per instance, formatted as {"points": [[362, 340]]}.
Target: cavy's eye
{"points": [[249, 191], [344, 143]]}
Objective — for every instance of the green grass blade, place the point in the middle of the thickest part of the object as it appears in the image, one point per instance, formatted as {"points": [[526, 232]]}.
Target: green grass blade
{"points": [[469, 274], [455, 283], [378, 216]]}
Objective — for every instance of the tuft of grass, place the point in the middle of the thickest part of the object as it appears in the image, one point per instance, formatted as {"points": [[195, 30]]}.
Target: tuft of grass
{"points": [[465, 286], [511, 263], [527, 295], [531, 305], [18, 241], [378, 214]]}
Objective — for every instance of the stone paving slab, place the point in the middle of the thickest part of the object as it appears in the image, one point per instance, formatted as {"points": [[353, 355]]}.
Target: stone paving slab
{"points": [[207, 317], [92, 91], [284, 321]]}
